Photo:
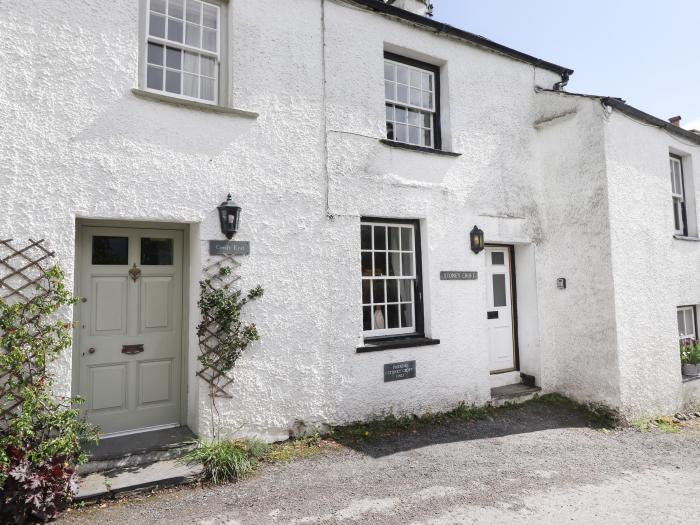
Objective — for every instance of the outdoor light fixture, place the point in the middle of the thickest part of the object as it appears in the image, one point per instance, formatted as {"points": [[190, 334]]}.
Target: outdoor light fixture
{"points": [[229, 215], [476, 239]]}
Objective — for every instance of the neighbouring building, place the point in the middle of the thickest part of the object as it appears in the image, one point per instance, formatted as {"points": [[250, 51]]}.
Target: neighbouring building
{"points": [[364, 142]]}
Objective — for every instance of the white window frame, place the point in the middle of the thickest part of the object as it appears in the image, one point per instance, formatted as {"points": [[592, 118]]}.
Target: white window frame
{"points": [[686, 315], [394, 103], [678, 195], [412, 278], [219, 56]]}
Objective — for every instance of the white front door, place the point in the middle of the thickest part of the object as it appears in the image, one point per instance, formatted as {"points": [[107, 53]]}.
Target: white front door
{"points": [[130, 340], [499, 311]]}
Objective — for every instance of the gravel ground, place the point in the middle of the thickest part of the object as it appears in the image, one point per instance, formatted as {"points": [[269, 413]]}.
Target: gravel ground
{"points": [[533, 464]]}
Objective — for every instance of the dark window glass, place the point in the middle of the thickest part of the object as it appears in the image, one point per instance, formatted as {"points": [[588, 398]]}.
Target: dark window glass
{"points": [[499, 291], [156, 252], [498, 258], [110, 250], [366, 237]]}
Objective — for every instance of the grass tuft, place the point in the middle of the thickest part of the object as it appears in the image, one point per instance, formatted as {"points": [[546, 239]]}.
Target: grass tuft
{"points": [[229, 460]]}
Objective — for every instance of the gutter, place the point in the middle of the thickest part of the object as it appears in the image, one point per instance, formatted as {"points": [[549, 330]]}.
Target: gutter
{"points": [[448, 30]]}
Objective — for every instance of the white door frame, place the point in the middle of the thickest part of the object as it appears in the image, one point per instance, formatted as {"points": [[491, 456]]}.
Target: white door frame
{"points": [[184, 350], [513, 306]]}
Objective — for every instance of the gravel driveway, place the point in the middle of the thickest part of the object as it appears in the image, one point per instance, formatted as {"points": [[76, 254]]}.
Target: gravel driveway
{"points": [[533, 464]]}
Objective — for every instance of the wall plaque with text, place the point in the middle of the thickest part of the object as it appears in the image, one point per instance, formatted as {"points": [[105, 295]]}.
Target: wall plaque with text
{"points": [[229, 247], [459, 276], [399, 371]]}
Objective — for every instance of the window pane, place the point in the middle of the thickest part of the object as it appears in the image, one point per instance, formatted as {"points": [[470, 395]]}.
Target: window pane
{"points": [[194, 11], [389, 71], [193, 36], [156, 252], [407, 264], [175, 8], [401, 133], [394, 264], [427, 138], [156, 25], [367, 264], [393, 316], [402, 74], [210, 16], [174, 30], [158, 6], [406, 289], [366, 294], [392, 291], [380, 263], [366, 236], [190, 85], [367, 318], [173, 58], [155, 54], [154, 78], [427, 82], [406, 315], [413, 135], [394, 239], [401, 115], [172, 81], [208, 89], [689, 322], [379, 318], [427, 100], [681, 323], [378, 291], [406, 239], [110, 250], [389, 112], [499, 291], [402, 93], [379, 238], [191, 63], [498, 258], [414, 117], [416, 81], [208, 67], [209, 39], [390, 130], [416, 97]]}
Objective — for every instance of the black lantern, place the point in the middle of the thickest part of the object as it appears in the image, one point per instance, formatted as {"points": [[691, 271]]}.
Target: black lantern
{"points": [[229, 215], [476, 239]]}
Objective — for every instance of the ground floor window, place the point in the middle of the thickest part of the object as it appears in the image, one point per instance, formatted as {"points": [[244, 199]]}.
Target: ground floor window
{"points": [[391, 277], [687, 323]]}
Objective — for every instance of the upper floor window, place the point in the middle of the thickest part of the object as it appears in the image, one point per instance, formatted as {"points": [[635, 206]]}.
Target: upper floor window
{"points": [[183, 48], [412, 93], [680, 221]]}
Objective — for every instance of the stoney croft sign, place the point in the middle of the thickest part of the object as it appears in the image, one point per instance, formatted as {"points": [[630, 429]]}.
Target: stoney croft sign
{"points": [[459, 276], [399, 371]]}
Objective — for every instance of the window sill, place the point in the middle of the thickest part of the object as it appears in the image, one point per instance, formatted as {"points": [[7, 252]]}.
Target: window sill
{"points": [[378, 345], [193, 104], [688, 379], [421, 149], [684, 238]]}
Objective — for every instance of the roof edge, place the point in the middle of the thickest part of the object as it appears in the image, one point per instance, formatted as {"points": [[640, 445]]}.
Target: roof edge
{"points": [[442, 28]]}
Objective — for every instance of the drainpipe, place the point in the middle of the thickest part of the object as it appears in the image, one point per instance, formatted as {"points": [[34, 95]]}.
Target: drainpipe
{"points": [[324, 124], [559, 86]]}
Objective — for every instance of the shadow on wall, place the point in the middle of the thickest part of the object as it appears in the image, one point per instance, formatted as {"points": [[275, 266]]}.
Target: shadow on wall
{"points": [[519, 420], [176, 128]]}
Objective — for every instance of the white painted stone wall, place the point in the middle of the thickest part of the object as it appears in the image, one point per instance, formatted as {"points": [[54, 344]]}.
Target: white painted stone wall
{"points": [[76, 143]]}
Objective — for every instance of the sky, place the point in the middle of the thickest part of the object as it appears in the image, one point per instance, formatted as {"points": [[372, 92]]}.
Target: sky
{"points": [[646, 52]]}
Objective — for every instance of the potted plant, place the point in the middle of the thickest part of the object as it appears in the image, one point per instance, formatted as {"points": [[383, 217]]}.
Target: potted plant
{"points": [[690, 357]]}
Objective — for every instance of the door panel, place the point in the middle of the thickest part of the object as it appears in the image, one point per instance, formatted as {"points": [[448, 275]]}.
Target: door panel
{"points": [[130, 330], [499, 309]]}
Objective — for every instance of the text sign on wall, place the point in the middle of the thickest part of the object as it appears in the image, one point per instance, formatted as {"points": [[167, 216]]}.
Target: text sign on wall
{"points": [[229, 247], [399, 371], [459, 276]]}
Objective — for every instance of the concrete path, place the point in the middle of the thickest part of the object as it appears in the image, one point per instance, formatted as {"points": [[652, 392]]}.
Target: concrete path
{"points": [[537, 464]]}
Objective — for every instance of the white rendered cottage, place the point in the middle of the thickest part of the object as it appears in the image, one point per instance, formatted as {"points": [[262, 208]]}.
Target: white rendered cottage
{"points": [[363, 141]]}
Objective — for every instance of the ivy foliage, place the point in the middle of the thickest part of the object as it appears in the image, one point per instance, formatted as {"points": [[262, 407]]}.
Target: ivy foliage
{"points": [[221, 308], [41, 436]]}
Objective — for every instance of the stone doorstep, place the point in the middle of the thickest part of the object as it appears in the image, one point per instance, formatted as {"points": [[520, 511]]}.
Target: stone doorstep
{"points": [[162, 474], [518, 393]]}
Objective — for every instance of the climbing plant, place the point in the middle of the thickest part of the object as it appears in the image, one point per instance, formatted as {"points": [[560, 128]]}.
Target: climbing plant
{"points": [[41, 435], [223, 333]]}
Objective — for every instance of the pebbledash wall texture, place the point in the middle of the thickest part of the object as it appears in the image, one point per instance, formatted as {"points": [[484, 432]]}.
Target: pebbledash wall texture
{"points": [[578, 185]]}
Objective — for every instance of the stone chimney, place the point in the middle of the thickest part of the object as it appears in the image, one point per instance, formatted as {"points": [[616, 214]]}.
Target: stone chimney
{"points": [[419, 7], [676, 121]]}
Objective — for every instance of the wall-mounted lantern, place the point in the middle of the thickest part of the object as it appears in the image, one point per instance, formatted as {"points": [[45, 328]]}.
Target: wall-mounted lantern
{"points": [[229, 215], [476, 239]]}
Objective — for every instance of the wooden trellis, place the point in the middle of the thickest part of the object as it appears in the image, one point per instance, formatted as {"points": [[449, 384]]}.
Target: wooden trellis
{"points": [[217, 379], [22, 280]]}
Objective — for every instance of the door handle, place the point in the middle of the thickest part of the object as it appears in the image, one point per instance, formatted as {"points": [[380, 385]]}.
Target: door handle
{"points": [[92, 350], [132, 349], [492, 315]]}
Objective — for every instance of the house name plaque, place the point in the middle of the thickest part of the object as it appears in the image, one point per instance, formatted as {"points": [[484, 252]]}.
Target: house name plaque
{"points": [[459, 276], [229, 247], [399, 371]]}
